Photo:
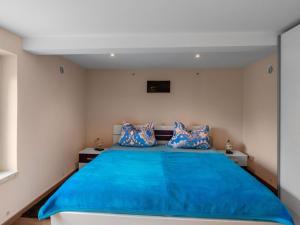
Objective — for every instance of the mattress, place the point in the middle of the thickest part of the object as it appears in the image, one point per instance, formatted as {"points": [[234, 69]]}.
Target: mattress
{"points": [[163, 182]]}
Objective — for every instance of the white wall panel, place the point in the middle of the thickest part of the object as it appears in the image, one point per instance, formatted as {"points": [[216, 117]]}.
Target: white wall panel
{"points": [[290, 121]]}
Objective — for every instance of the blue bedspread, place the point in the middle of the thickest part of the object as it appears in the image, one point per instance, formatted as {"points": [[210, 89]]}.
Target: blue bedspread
{"points": [[164, 183]]}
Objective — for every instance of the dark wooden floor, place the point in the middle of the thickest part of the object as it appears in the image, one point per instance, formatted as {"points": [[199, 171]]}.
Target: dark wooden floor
{"points": [[31, 221]]}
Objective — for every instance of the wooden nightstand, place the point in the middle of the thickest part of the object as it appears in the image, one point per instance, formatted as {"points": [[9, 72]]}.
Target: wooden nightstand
{"points": [[238, 157], [87, 155]]}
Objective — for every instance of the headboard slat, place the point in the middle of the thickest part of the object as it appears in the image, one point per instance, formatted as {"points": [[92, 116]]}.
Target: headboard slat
{"points": [[163, 132], [163, 137]]}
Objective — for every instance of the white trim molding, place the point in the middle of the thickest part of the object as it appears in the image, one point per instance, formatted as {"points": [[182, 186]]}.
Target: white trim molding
{"points": [[7, 175]]}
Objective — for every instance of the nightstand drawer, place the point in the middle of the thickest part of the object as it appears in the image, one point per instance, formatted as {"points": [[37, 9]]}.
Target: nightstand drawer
{"points": [[238, 157], [242, 161], [85, 158], [87, 155]]}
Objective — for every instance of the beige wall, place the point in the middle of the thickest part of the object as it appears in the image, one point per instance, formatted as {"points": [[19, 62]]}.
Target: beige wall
{"points": [[51, 127], [260, 118], [8, 112], [213, 97]]}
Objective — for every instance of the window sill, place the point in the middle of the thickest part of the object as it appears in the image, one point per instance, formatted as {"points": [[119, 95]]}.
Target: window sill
{"points": [[7, 175]]}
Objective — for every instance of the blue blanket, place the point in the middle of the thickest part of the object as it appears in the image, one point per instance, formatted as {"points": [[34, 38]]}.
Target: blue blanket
{"points": [[164, 183]]}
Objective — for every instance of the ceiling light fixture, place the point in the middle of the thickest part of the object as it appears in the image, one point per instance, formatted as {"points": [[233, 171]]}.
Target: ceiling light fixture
{"points": [[112, 54], [197, 56]]}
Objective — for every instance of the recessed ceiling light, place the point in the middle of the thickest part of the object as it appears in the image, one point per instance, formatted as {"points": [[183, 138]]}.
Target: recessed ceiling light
{"points": [[197, 56], [112, 54]]}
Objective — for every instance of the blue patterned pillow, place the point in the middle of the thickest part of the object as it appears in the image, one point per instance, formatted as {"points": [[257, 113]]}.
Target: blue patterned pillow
{"points": [[137, 137], [197, 139]]}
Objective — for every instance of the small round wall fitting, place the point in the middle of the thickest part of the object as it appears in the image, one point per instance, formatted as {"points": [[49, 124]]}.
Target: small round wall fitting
{"points": [[270, 69], [61, 69]]}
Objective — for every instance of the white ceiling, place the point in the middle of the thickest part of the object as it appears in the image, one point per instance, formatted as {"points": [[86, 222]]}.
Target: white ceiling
{"points": [[145, 33], [32, 18]]}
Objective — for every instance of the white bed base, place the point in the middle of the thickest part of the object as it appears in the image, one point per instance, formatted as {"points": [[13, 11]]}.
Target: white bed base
{"points": [[80, 218]]}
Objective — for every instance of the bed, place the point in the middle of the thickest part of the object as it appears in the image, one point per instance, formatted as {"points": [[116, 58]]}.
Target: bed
{"points": [[163, 186]]}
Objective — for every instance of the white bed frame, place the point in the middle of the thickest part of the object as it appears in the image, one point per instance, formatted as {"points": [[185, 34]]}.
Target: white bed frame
{"points": [[79, 218], [84, 218]]}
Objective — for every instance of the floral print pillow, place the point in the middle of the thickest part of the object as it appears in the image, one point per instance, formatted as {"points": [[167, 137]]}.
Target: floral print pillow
{"points": [[195, 139], [137, 137]]}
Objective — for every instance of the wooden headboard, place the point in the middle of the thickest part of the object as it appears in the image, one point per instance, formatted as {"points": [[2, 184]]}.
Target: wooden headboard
{"points": [[162, 133]]}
